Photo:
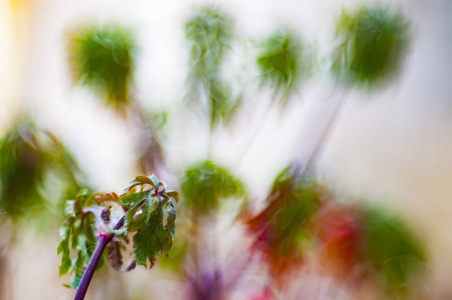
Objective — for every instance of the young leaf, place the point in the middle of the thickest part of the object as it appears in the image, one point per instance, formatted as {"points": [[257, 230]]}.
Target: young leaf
{"points": [[114, 253], [132, 198], [173, 194], [144, 179], [170, 220], [155, 180], [154, 238], [66, 262]]}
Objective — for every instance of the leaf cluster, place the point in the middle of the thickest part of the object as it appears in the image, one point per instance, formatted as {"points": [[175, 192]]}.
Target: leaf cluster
{"points": [[205, 183], [78, 232], [145, 209], [145, 216], [372, 44], [103, 59]]}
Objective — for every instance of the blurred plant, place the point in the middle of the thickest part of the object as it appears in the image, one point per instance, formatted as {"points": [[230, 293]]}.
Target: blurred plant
{"points": [[281, 229], [27, 156], [339, 233], [353, 242], [391, 249], [103, 59], [280, 62], [205, 184], [300, 215], [371, 48], [90, 216], [209, 34], [372, 44]]}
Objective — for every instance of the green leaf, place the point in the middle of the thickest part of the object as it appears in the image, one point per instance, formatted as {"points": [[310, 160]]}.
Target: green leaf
{"points": [[65, 229], [141, 220], [83, 197], [170, 220], [132, 185], [153, 238], [155, 180], [173, 194], [103, 59], [76, 280], [66, 262], [144, 179], [120, 232], [129, 199]]}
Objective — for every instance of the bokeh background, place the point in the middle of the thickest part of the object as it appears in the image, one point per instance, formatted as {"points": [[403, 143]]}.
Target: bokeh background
{"points": [[389, 146]]}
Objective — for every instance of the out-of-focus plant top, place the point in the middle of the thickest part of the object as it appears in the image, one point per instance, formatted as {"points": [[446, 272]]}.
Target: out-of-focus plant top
{"points": [[281, 227], [27, 156], [206, 183], [372, 44], [209, 33], [145, 201], [279, 61], [103, 59]]}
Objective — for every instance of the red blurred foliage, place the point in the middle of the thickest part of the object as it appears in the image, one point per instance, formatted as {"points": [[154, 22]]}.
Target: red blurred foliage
{"points": [[265, 294], [280, 230], [340, 238]]}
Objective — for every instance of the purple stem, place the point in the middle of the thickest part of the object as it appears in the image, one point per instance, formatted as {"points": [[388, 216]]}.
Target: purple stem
{"points": [[104, 239]]}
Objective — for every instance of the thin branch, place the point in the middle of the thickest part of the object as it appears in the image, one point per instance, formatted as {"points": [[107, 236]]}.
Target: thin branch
{"points": [[89, 272]]}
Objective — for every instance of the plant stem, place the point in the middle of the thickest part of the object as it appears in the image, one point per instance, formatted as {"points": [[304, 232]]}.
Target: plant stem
{"points": [[89, 272]]}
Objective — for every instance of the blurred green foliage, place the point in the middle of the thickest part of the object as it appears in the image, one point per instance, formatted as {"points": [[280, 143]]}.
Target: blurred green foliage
{"points": [[205, 184], [103, 59], [209, 34], [372, 44], [392, 249], [280, 61], [28, 156], [22, 166]]}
